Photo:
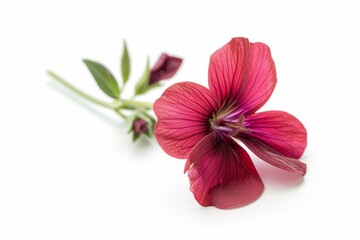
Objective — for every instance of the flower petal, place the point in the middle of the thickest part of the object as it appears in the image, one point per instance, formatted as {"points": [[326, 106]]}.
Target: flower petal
{"points": [[183, 113], [260, 81], [273, 157], [243, 73], [164, 68], [279, 130], [222, 174], [227, 69]]}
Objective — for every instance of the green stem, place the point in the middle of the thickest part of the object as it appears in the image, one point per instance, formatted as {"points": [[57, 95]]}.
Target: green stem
{"points": [[151, 118], [121, 114], [82, 93], [116, 105], [132, 104]]}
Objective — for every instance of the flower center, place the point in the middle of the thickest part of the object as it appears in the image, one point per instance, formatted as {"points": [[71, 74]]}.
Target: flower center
{"points": [[228, 124]]}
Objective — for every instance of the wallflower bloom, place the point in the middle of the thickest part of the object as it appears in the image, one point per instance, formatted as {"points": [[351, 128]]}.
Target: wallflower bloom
{"points": [[201, 124]]}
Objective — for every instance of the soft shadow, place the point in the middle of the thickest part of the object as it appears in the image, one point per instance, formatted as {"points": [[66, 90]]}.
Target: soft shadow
{"points": [[143, 148], [277, 177], [88, 106], [144, 142]]}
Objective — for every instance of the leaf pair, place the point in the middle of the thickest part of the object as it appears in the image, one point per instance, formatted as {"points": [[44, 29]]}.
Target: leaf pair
{"points": [[105, 79]]}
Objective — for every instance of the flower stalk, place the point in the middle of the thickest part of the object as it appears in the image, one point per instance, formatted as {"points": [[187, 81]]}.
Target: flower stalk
{"points": [[116, 105], [81, 92], [142, 123]]}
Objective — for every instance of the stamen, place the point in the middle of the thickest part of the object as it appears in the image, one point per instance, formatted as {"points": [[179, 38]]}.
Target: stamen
{"points": [[230, 128]]}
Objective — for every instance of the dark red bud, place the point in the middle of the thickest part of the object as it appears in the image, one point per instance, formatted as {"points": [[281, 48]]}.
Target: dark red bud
{"points": [[164, 68], [140, 126]]}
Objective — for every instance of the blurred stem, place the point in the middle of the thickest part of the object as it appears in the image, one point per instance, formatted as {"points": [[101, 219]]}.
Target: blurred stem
{"points": [[80, 92], [116, 105], [118, 112], [132, 104]]}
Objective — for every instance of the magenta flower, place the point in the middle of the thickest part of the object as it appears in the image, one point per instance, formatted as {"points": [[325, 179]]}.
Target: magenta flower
{"points": [[202, 124], [164, 68]]}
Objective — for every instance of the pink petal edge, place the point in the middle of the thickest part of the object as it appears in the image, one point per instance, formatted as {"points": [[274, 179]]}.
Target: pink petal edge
{"points": [[242, 73], [183, 113], [274, 158], [227, 69], [260, 80], [222, 174], [279, 130]]}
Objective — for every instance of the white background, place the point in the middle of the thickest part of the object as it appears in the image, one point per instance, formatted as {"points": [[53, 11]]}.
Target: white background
{"points": [[69, 168]]}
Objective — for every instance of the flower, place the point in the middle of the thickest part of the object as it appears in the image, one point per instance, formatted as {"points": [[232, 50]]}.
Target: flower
{"points": [[202, 124], [164, 68]]}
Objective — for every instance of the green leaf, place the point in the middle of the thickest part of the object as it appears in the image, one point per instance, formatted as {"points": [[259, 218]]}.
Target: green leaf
{"points": [[135, 137], [143, 84], [104, 78], [125, 64]]}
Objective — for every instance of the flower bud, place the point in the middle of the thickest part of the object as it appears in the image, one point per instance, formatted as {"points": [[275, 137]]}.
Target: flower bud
{"points": [[164, 68], [140, 126]]}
